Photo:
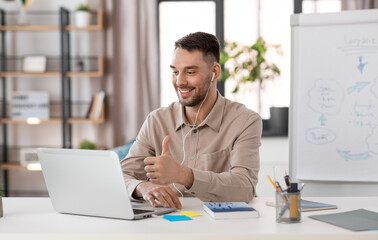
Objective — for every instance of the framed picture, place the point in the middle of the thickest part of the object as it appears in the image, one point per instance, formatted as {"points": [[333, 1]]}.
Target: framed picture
{"points": [[30, 104], [34, 64]]}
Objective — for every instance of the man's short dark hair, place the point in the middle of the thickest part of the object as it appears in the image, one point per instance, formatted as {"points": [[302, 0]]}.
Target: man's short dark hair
{"points": [[207, 43]]}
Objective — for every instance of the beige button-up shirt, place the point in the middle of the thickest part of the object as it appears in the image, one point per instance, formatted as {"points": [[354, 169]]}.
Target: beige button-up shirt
{"points": [[223, 152]]}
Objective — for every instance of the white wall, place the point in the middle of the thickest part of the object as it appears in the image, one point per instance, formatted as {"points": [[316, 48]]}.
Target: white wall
{"points": [[274, 161]]}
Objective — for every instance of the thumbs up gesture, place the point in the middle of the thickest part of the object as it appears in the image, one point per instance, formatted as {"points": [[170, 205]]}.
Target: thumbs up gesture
{"points": [[163, 169]]}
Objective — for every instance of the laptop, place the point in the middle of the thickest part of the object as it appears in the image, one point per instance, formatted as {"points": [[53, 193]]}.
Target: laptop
{"points": [[90, 182]]}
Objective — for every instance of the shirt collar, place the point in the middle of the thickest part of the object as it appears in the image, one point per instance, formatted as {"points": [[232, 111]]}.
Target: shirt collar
{"points": [[181, 119], [213, 120]]}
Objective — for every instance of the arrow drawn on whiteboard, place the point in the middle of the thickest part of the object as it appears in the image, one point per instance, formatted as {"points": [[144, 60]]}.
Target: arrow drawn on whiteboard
{"points": [[358, 87], [361, 66], [322, 119], [356, 156]]}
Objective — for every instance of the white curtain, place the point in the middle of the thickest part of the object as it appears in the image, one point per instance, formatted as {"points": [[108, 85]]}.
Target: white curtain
{"points": [[358, 4], [136, 83]]}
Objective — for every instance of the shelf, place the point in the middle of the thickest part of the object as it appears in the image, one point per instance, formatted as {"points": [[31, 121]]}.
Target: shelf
{"points": [[9, 120], [56, 67], [88, 28], [98, 26], [17, 166], [26, 74], [85, 120], [51, 74], [29, 28], [99, 73], [11, 166], [43, 28], [52, 120]]}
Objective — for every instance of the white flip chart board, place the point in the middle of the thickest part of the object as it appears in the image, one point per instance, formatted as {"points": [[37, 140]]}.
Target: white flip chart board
{"points": [[334, 96]]}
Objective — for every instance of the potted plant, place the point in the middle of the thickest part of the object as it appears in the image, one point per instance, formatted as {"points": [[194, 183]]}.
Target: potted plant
{"points": [[246, 64], [83, 15], [86, 144], [23, 5]]}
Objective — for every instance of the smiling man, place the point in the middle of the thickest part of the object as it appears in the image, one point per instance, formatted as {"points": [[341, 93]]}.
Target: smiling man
{"points": [[203, 146]]}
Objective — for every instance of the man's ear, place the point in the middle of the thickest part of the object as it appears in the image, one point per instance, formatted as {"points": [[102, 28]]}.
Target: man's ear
{"points": [[217, 70]]}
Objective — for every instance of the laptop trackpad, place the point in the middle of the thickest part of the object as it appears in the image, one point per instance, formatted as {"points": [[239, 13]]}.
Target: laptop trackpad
{"points": [[149, 209], [140, 211]]}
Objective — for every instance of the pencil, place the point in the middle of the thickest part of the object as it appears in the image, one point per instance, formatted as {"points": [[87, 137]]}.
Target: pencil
{"points": [[274, 185]]}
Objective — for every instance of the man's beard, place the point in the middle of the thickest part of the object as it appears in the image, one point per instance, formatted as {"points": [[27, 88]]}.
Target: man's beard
{"points": [[195, 101]]}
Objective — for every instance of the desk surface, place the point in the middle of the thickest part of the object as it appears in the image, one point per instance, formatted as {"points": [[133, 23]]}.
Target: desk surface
{"points": [[35, 218]]}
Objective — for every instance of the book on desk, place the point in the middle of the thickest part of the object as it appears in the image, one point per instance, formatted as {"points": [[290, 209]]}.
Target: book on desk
{"points": [[229, 210]]}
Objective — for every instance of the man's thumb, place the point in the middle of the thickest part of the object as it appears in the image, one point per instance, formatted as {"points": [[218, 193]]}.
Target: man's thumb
{"points": [[166, 146]]}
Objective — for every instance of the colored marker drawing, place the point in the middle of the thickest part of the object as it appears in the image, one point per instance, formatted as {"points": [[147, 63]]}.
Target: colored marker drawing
{"points": [[357, 46], [374, 87], [353, 156], [362, 113], [372, 141], [357, 87], [322, 119], [361, 65], [320, 136], [326, 97]]}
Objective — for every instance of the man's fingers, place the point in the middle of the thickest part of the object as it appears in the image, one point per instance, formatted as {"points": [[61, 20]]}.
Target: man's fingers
{"points": [[149, 168], [151, 199], [149, 161], [151, 176], [164, 198], [174, 198], [165, 150]]}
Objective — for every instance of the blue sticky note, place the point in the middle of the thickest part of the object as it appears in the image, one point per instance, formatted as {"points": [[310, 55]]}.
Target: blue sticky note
{"points": [[174, 218]]}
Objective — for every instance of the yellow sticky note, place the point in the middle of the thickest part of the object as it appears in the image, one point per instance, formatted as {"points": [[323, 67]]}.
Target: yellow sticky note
{"points": [[191, 214]]}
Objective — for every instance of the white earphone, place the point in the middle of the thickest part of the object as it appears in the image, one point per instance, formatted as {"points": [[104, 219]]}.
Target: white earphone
{"points": [[192, 128]]}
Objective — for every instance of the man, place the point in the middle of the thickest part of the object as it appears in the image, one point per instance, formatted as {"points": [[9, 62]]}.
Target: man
{"points": [[203, 146]]}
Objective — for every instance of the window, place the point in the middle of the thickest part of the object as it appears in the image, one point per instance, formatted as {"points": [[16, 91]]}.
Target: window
{"points": [[244, 21], [177, 19], [317, 6]]}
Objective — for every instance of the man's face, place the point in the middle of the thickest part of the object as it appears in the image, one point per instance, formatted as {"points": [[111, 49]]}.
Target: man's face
{"points": [[191, 76]]}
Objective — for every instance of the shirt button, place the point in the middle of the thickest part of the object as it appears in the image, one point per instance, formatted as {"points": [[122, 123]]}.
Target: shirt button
{"points": [[195, 131]]}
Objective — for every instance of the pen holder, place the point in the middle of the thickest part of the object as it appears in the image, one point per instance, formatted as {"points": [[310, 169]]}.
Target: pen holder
{"points": [[288, 207]]}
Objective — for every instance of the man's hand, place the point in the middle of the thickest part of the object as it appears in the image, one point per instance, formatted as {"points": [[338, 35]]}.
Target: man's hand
{"points": [[163, 169], [155, 194]]}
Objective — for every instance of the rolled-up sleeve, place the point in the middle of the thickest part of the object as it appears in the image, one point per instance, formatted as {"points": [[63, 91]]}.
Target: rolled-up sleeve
{"points": [[133, 164]]}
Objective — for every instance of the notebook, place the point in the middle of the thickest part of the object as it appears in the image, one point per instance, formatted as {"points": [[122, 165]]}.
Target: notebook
{"points": [[229, 210], [307, 206], [90, 182], [356, 220]]}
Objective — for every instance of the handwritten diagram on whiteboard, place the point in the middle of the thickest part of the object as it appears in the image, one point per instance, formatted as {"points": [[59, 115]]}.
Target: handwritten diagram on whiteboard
{"points": [[336, 103]]}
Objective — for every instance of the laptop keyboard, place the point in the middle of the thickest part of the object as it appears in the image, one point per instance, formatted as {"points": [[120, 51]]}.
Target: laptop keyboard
{"points": [[139, 211]]}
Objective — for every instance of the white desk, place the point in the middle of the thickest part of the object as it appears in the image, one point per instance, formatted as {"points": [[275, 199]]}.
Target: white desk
{"points": [[34, 218]]}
